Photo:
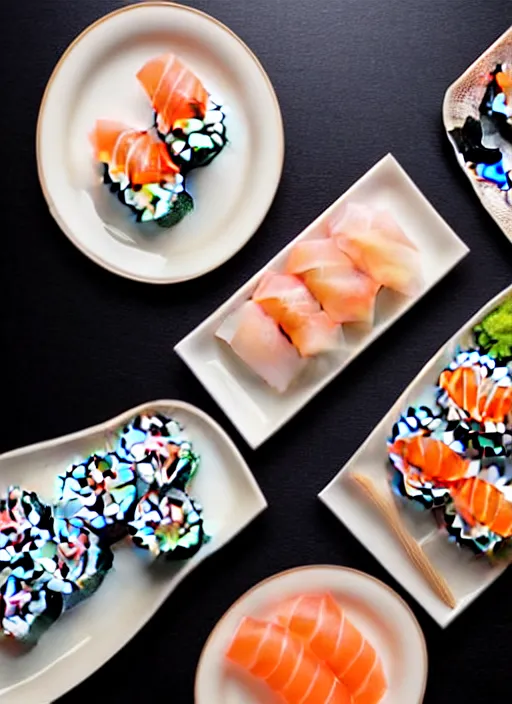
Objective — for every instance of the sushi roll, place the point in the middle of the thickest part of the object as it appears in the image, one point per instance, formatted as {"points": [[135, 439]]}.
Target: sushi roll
{"points": [[155, 444], [168, 522], [479, 515], [26, 525], [287, 300], [346, 294], [257, 340], [497, 101], [75, 563], [137, 167], [475, 388], [99, 493], [26, 612], [190, 122]]}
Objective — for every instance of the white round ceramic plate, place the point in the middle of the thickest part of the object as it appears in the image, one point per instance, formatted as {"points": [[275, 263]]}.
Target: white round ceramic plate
{"points": [[96, 78], [380, 614]]}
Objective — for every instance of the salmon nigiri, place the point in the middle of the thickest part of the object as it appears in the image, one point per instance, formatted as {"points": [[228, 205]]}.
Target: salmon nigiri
{"points": [[471, 390], [258, 341], [175, 92], [479, 502], [345, 293], [378, 246], [323, 625], [137, 156], [287, 300], [282, 660], [430, 459]]}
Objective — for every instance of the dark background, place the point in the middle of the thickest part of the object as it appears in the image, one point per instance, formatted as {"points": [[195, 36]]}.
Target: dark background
{"points": [[355, 79]]}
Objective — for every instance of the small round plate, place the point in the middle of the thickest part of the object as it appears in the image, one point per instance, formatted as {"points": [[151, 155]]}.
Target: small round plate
{"points": [[380, 614], [96, 78]]}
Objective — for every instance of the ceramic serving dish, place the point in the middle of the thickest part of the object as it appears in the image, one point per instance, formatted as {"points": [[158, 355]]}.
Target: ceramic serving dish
{"points": [[254, 408], [96, 78], [84, 638], [467, 576]]}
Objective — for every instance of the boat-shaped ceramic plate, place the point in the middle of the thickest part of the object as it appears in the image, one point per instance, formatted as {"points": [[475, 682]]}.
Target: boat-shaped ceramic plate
{"points": [[462, 100], [95, 78], [254, 408], [466, 575], [87, 636], [379, 613]]}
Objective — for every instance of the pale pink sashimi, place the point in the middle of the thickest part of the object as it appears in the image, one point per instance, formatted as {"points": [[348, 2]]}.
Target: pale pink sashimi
{"points": [[325, 628], [258, 341], [378, 246], [137, 154], [346, 294], [287, 300], [175, 92], [289, 668]]}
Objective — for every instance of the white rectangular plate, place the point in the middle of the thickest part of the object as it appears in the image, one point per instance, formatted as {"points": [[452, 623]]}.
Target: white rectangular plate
{"points": [[87, 636], [252, 406], [466, 575]]}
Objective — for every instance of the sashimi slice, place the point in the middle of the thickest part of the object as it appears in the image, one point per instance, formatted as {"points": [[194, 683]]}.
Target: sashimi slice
{"points": [[287, 300], [346, 294], [289, 668], [175, 92], [258, 341], [378, 246], [136, 154], [323, 625]]}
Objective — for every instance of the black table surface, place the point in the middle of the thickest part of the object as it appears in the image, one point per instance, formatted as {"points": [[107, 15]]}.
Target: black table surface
{"points": [[355, 79]]}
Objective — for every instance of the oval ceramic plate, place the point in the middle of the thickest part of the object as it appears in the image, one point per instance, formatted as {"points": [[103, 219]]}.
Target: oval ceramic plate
{"points": [[87, 636], [95, 78], [374, 608]]}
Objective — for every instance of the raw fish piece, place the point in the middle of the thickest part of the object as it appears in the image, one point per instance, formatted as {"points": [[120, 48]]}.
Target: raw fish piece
{"points": [[345, 293], [481, 503], [282, 660], [137, 156], [287, 300], [378, 246], [322, 624], [257, 340], [175, 92], [428, 458], [482, 398]]}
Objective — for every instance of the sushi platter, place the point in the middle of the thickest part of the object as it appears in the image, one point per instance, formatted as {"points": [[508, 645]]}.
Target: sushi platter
{"points": [[79, 642], [105, 95], [430, 251], [477, 463], [392, 671], [159, 150]]}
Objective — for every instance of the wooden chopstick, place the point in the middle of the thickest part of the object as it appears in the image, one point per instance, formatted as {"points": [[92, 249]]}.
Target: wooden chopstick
{"points": [[414, 551]]}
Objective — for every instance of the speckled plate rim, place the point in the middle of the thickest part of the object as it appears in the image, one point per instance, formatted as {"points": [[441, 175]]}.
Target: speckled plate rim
{"points": [[278, 126], [477, 65], [54, 681], [308, 568]]}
